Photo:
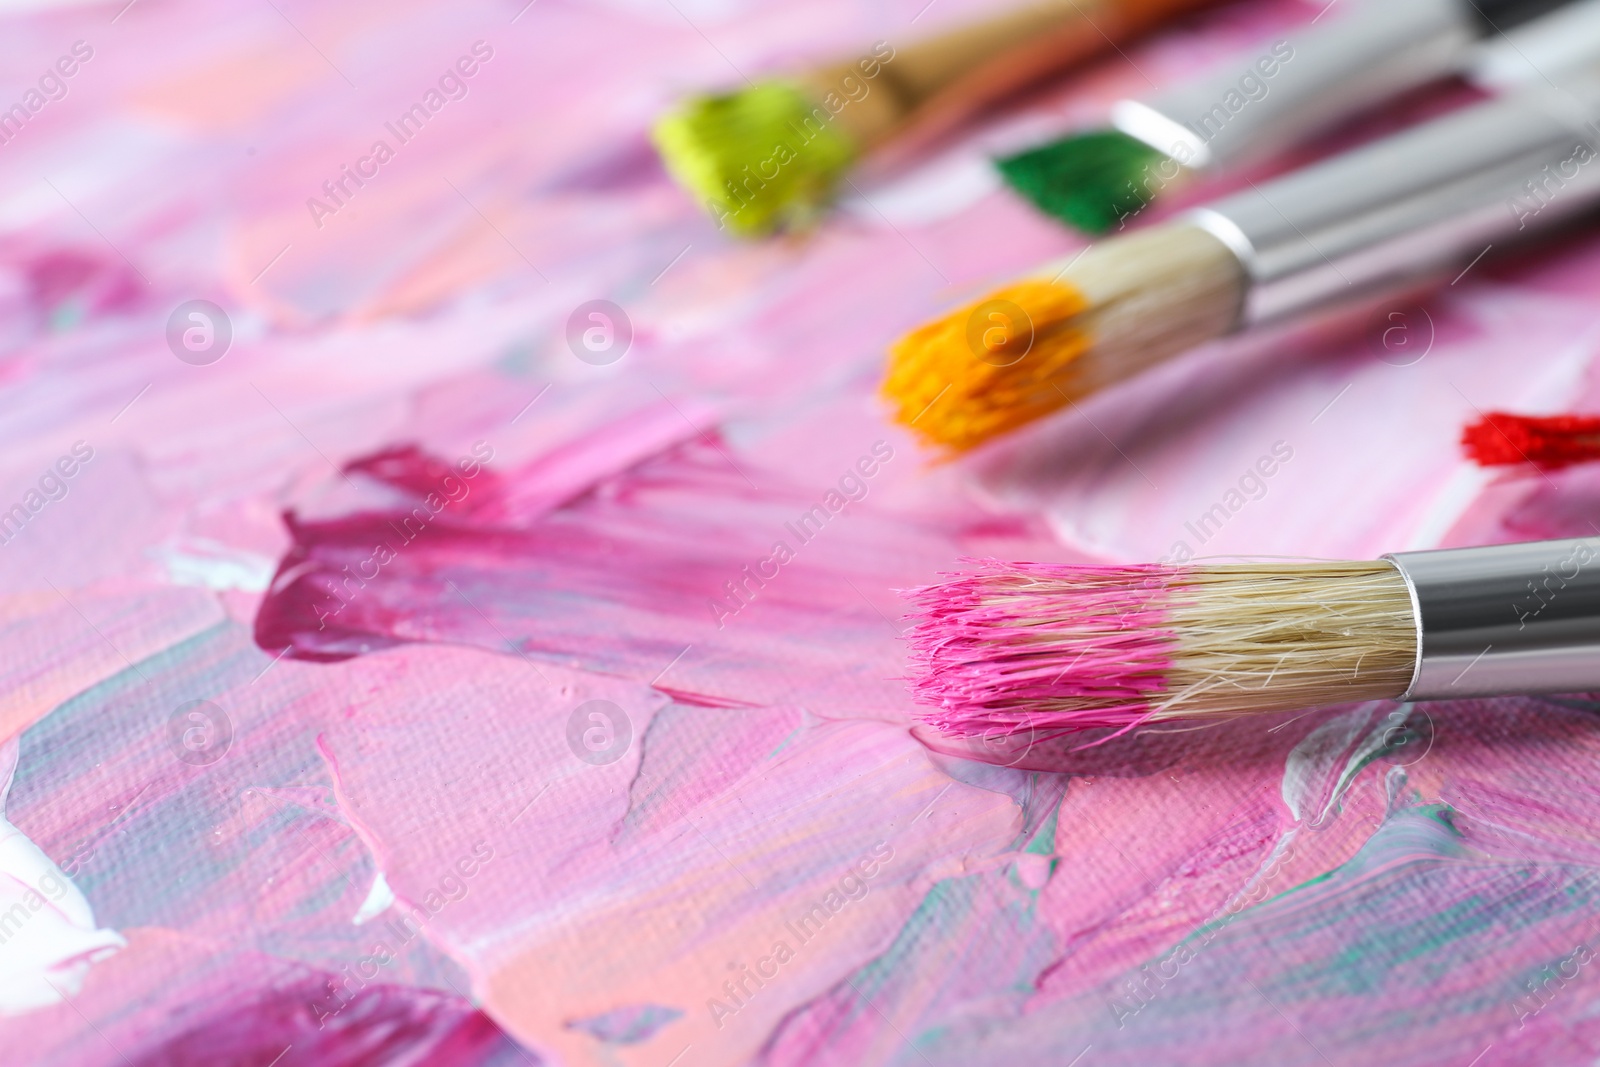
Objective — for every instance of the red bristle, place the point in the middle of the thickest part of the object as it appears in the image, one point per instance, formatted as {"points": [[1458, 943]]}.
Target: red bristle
{"points": [[1549, 443]]}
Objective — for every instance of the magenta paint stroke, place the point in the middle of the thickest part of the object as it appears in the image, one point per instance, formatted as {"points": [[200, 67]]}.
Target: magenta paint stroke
{"points": [[216, 1004], [653, 571]]}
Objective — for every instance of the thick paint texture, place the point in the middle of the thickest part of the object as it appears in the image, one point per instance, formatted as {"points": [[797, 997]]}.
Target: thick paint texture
{"points": [[50, 939], [401, 688], [678, 568]]}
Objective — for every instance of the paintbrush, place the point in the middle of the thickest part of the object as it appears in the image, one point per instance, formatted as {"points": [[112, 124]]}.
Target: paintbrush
{"points": [[1045, 649], [1548, 442], [1280, 93], [1393, 214], [771, 155]]}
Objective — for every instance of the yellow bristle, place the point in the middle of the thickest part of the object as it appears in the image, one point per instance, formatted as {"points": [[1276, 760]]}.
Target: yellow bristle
{"points": [[1040, 344], [988, 368]]}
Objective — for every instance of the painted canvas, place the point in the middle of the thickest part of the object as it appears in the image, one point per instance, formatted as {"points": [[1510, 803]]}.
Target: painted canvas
{"points": [[449, 589]]}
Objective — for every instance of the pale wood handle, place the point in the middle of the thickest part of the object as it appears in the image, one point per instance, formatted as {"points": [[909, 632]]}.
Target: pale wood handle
{"points": [[941, 80]]}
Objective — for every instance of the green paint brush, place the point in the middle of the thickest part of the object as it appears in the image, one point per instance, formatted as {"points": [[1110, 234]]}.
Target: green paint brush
{"points": [[1090, 181], [772, 155], [1269, 98]]}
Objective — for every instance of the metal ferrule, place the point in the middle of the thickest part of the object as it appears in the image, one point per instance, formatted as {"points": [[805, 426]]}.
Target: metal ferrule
{"points": [[1277, 94], [1550, 46], [1415, 204], [1505, 619]]}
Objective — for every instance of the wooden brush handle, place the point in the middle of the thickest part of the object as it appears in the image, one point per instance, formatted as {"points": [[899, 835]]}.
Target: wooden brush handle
{"points": [[942, 80]]}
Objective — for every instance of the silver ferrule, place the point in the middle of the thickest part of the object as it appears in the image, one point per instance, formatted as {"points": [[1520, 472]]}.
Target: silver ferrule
{"points": [[1505, 619], [1276, 94], [1416, 204], [1551, 46]]}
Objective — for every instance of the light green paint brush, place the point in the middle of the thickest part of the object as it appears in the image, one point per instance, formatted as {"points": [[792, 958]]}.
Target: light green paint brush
{"points": [[760, 159], [772, 155]]}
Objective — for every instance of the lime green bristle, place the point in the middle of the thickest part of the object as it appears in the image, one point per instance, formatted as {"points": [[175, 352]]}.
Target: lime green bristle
{"points": [[761, 159], [1092, 181]]}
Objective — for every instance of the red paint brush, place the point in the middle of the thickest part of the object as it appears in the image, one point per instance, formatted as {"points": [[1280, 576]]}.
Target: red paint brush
{"points": [[1549, 443]]}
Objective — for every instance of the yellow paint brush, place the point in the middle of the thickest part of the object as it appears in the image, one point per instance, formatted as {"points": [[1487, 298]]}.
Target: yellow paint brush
{"points": [[1399, 212]]}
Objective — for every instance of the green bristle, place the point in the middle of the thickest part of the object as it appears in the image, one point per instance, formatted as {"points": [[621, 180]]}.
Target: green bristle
{"points": [[761, 159], [1091, 181]]}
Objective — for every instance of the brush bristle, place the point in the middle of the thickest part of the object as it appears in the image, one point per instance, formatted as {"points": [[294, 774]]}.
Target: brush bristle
{"points": [[1045, 649], [1034, 347], [761, 159], [1091, 181], [1549, 443]]}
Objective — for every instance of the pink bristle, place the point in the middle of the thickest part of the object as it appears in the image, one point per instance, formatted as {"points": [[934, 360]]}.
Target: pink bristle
{"points": [[1096, 658]]}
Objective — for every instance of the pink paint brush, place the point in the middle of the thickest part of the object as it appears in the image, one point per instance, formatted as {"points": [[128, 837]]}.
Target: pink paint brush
{"points": [[1044, 649]]}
